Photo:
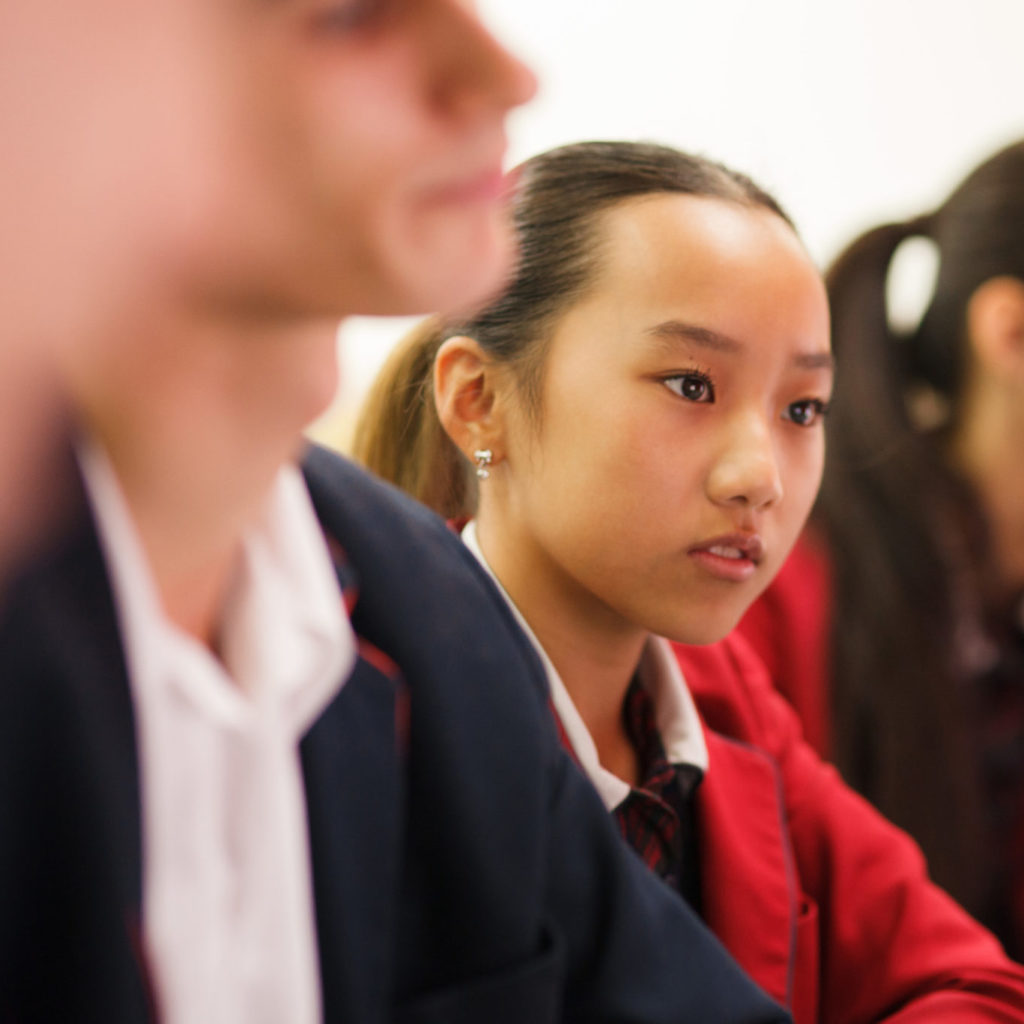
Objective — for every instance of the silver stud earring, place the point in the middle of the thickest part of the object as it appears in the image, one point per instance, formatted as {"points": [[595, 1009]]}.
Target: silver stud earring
{"points": [[484, 457]]}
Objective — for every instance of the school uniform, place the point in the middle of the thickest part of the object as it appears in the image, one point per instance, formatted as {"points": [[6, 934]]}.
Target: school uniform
{"points": [[461, 868], [824, 903]]}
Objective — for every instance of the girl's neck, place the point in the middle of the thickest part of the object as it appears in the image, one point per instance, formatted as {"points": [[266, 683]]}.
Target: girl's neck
{"points": [[197, 423], [594, 651]]}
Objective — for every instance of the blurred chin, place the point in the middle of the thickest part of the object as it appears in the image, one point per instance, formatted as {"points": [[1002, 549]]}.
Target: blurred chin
{"points": [[457, 268]]}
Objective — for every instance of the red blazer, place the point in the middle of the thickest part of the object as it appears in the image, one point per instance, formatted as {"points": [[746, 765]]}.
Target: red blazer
{"points": [[789, 627], [824, 903]]}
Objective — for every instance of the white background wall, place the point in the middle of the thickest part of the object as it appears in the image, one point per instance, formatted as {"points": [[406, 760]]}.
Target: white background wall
{"points": [[850, 111]]}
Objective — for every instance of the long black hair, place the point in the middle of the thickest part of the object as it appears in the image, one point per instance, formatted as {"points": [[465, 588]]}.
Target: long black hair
{"points": [[913, 572]]}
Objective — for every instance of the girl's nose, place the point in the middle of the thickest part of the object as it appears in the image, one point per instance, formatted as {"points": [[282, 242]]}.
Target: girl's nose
{"points": [[747, 470]]}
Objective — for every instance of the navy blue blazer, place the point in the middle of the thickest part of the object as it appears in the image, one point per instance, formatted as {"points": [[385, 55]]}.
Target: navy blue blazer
{"points": [[463, 869]]}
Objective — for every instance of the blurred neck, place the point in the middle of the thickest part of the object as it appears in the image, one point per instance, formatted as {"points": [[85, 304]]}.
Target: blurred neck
{"points": [[197, 418]]}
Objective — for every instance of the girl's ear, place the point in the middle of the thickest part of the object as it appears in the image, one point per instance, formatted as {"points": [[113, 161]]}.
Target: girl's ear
{"points": [[466, 383], [995, 327]]}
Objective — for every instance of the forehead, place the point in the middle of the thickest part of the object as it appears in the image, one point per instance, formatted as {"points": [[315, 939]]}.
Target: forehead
{"points": [[720, 268], [665, 253], [694, 236]]}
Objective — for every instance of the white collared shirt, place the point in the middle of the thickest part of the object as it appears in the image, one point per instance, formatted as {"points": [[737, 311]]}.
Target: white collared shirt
{"points": [[676, 717], [228, 917]]}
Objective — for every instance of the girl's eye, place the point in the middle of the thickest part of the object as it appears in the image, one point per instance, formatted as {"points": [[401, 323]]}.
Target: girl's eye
{"points": [[806, 412], [694, 386]]}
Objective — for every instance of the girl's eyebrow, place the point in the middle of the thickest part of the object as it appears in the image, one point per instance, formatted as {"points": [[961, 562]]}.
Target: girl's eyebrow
{"points": [[672, 331], [815, 361], [703, 337]]}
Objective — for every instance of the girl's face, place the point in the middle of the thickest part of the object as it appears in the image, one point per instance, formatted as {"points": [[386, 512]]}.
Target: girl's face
{"points": [[680, 442]]}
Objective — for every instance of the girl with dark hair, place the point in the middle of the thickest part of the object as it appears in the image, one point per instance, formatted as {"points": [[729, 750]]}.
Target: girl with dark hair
{"points": [[904, 621], [634, 427]]}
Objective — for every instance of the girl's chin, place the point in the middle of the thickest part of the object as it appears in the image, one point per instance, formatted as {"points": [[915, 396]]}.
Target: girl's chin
{"points": [[708, 631]]}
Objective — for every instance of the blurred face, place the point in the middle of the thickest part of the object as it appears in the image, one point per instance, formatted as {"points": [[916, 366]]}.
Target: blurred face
{"points": [[110, 111], [113, 113], [680, 441], [379, 127]]}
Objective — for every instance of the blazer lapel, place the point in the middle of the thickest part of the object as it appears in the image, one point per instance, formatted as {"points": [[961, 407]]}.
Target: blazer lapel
{"points": [[353, 761], [72, 700], [83, 612], [748, 885]]}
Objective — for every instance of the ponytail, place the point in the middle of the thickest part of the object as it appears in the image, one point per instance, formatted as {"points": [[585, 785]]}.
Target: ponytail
{"points": [[871, 357], [398, 434]]}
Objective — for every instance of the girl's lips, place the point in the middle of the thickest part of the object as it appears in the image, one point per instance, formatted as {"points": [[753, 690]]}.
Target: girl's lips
{"points": [[734, 557]]}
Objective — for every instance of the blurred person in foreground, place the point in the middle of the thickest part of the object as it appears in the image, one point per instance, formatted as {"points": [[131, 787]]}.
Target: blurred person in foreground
{"points": [[271, 747], [109, 115]]}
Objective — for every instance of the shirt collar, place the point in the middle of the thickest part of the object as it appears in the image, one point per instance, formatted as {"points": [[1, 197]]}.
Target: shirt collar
{"points": [[678, 721], [287, 641]]}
